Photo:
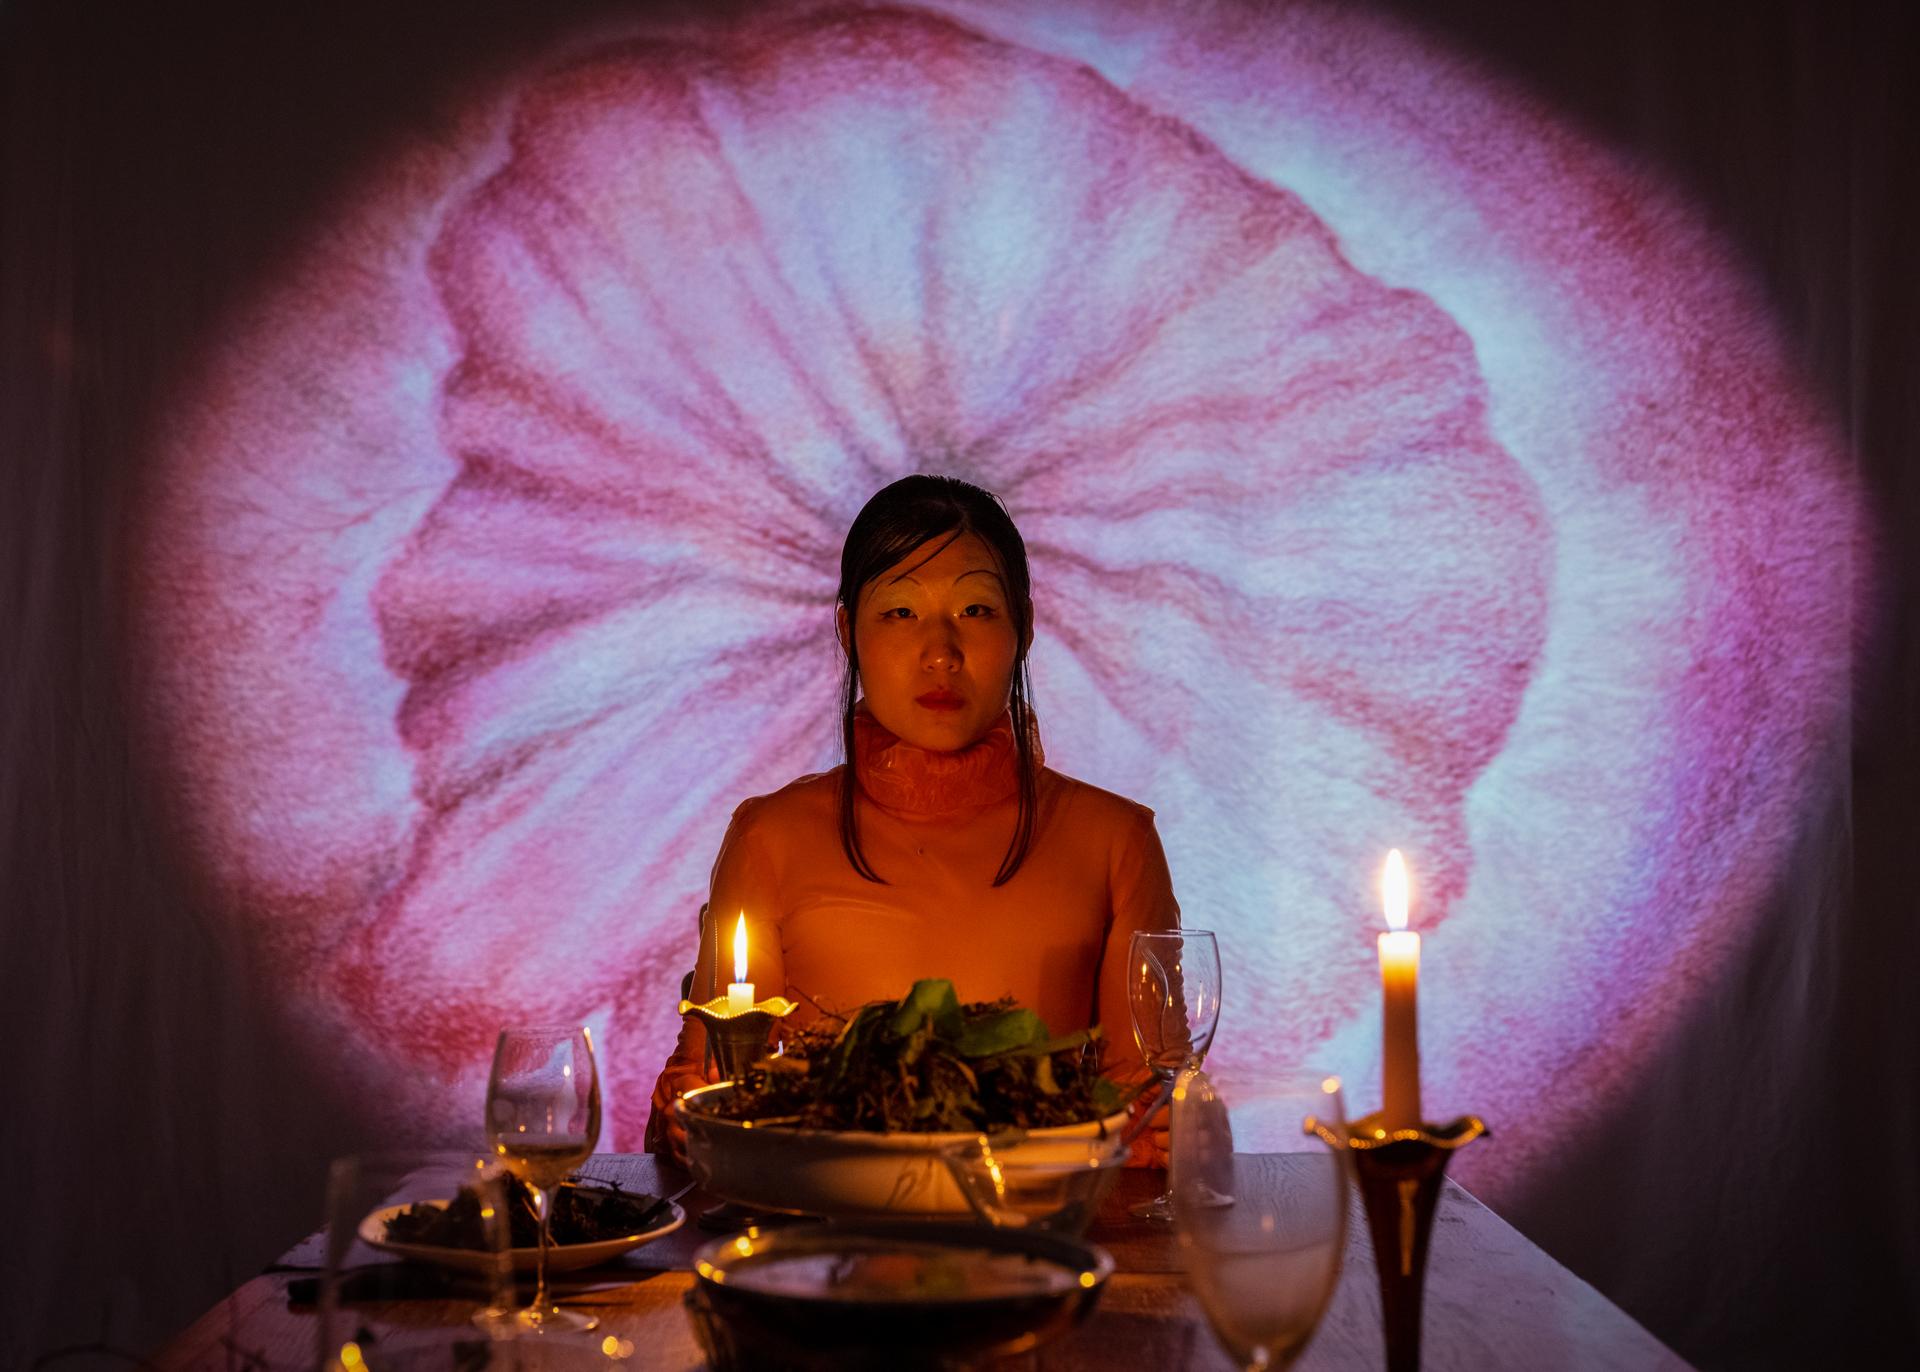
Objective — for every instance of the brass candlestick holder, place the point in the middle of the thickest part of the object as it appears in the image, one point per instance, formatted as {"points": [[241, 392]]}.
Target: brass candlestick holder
{"points": [[734, 1041], [1399, 1172]]}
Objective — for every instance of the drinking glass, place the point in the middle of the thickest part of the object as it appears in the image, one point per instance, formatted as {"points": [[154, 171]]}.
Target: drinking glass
{"points": [[365, 1193], [1173, 994], [1016, 1181], [1261, 1205], [543, 1119]]}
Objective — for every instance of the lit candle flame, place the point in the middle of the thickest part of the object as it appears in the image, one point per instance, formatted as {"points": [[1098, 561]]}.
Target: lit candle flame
{"points": [[740, 948], [1393, 890]]}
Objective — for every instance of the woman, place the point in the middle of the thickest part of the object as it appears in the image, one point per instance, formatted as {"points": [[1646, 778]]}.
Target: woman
{"points": [[943, 847]]}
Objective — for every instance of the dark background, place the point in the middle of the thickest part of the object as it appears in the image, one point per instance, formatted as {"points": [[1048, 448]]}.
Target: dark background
{"points": [[161, 1141]]}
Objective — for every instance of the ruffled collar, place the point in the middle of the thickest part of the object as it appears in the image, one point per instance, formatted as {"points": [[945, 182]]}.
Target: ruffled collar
{"points": [[921, 784]]}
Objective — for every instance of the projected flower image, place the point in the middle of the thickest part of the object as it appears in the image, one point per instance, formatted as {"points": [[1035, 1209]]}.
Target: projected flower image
{"points": [[526, 495]]}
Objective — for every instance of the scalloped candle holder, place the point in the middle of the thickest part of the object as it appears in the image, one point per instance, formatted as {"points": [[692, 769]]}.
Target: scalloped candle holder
{"points": [[1399, 1173], [735, 1041]]}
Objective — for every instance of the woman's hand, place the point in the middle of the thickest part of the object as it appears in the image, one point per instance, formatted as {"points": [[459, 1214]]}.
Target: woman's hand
{"points": [[1154, 1144], [666, 1136]]}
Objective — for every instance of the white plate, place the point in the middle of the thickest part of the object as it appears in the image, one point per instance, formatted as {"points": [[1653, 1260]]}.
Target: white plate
{"points": [[567, 1257]]}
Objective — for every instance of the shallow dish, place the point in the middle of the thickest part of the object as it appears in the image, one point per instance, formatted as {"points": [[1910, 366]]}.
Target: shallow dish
{"points": [[568, 1257], [840, 1173], [892, 1294]]}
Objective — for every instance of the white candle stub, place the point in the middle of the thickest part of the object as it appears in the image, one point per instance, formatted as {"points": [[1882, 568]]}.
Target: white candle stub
{"points": [[740, 990]]}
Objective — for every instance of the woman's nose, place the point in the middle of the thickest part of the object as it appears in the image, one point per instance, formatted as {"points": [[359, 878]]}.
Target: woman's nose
{"points": [[941, 647]]}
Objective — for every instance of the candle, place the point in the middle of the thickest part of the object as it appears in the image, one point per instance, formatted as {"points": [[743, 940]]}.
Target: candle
{"points": [[1399, 987], [740, 990]]}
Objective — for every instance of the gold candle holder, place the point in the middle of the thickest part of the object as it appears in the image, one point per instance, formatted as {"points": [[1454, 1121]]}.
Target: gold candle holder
{"points": [[735, 1041], [1399, 1173]]}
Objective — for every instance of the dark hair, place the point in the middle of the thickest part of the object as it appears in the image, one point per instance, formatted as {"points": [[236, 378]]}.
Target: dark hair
{"points": [[898, 519]]}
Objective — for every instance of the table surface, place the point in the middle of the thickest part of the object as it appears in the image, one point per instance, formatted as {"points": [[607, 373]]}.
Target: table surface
{"points": [[1493, 1300]]}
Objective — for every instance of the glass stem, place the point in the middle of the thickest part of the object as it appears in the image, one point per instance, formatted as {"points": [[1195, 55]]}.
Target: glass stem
{"points": [[543, 1206]]}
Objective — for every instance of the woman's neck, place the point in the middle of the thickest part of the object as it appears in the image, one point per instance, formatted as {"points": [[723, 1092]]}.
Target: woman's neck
{"points": [[919, 783]]}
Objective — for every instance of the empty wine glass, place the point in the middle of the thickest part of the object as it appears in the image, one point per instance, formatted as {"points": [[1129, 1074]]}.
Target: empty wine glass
{"points": [[1173, 995], [543, 1119], [1261, 1204]]}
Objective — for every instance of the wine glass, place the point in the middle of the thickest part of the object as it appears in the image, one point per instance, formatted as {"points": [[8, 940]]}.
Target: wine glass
{"points": [[1261, 1204], [543, 1119], [1173, 994]]}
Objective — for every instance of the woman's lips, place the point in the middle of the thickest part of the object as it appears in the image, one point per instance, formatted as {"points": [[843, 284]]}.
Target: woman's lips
{"points": [[940, 700]]}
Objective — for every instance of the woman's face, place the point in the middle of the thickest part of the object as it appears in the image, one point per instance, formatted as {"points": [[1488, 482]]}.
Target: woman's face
{"points": [[936, 642]]}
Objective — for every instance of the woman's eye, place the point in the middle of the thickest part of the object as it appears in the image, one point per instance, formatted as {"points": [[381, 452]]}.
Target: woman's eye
{"points": [[980, 611], [897, 612]]}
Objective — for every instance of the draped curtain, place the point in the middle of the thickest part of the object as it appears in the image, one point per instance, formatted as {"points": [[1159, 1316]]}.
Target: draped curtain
{"points": [[1751, 1194]]}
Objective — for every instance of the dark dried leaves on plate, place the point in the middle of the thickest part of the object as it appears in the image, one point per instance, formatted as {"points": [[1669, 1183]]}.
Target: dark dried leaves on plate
{"points": [[583, 1212]]}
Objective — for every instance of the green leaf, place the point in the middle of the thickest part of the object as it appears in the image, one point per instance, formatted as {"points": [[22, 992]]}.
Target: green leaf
{"points": [[1066, 1041], [929, 1002], [1003, 1033], [845, 1048]]}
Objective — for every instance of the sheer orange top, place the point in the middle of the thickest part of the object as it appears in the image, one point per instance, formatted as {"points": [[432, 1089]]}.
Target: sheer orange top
{"points": [[935, 827]]}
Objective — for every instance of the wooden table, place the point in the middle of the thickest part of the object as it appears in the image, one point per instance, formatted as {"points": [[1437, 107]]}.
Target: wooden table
{"points": [[1493, 1300]]}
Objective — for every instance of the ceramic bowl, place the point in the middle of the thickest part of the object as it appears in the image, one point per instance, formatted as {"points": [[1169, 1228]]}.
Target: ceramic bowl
{"points": [[889, 1295], [842, 1174]]}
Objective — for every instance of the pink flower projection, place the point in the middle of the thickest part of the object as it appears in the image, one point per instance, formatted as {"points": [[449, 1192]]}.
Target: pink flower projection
{"points": [[1378, 495]]}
